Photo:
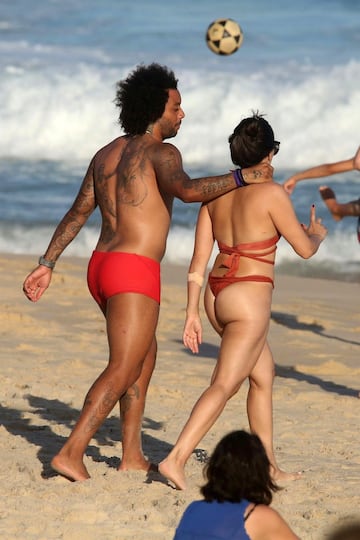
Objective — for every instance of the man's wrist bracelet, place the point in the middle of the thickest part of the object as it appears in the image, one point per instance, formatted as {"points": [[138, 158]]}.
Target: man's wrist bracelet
{"points": [[45, 262], [238, 177]]}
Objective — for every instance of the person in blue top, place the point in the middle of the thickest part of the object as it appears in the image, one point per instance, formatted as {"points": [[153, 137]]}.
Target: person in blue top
{"points": [[237, 495]]}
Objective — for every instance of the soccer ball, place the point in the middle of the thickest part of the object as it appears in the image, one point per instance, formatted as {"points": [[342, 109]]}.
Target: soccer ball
{"points": [[224, 36]]}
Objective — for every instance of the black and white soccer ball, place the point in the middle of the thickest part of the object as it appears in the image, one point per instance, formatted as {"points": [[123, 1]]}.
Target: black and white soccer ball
{"points": [[224, 36]]}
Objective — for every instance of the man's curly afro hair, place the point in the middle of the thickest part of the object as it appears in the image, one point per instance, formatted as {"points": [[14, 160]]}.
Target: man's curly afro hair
{"points": [[142, 97]]}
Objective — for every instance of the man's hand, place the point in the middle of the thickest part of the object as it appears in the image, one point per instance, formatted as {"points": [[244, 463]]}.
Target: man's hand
{"points": [[289, 185], [356, 160], [37, 282], [263, 172]]}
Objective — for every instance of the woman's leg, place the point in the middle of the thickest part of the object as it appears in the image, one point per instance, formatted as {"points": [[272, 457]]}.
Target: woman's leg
{"points": [[245, 326], [260, 409], [131, 322]]}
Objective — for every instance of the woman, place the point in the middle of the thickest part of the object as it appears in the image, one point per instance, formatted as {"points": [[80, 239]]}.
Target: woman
{"points": [[246, 225], [237, 496]]}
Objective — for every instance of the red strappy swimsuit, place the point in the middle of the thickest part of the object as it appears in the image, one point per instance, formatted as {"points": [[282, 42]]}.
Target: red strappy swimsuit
{"points": [[217, 283]]}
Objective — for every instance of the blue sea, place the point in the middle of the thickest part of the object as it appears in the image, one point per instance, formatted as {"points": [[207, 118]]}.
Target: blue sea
{"points": [[60, 59]]}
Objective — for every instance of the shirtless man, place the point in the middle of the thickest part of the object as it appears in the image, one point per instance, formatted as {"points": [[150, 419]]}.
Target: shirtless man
{"points": [[134, 180]]}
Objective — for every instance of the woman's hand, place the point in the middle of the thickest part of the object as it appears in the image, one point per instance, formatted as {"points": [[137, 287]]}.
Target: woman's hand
{"points": [[192, 335], [315, 227]]}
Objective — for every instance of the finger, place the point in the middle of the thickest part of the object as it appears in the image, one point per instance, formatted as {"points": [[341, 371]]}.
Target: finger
{"points": [[312, 213], [188, 341], [192, 346]]}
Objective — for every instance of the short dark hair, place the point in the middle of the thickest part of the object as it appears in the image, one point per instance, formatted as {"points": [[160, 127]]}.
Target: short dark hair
{"points": [[142, 97], [251, 141], [239, 469]]}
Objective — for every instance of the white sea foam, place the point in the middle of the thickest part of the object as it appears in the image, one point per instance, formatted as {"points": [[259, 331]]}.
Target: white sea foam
{"points": [[67, 116]]}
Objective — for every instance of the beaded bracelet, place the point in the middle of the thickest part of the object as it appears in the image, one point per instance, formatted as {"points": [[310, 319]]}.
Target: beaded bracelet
{"points": [[238, 177]]}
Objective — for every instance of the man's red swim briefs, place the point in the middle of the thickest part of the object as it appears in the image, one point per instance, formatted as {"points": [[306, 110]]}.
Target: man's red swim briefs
{"points": [[115, 272]]}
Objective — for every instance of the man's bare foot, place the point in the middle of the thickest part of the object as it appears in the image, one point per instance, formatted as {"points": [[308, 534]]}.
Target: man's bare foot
{"points": [[137, 465], [279, 476], [66, 468], [328, 196], [173, 473]]}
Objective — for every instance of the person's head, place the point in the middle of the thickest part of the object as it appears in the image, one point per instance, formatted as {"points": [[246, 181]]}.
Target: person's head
{"points": [[239, 469], [145, 96], [251, 141]]}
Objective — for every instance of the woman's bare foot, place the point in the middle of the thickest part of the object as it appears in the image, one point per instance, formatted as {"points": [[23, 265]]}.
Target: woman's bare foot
{"points": [[278, 476], [328, 196], [64, 466], [173, 473]]}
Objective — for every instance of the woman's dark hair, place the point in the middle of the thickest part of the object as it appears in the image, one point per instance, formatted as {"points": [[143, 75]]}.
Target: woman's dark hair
{"points": [[142, 97], [251, 141], [239, 469]]}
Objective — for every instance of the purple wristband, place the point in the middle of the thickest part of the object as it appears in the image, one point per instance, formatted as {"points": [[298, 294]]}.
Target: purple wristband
{"points": [[238, 177]]}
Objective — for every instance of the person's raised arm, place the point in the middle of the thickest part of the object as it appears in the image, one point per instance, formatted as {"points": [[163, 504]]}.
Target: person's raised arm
{"points": [[204, 241], [326, 169], [172, 178], [38, 280], [305, 240]]}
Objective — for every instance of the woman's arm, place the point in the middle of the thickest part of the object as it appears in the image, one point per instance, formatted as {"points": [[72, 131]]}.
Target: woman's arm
{"points": [[305, 240], [204, 241]]}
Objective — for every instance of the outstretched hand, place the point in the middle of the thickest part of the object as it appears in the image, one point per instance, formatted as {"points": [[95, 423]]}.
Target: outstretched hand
{"points": [[356, 160], [315, 226], [192, 335], [37, 282], [289, 185]]}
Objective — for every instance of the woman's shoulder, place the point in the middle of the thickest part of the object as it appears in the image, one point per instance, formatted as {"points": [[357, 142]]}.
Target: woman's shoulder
{"points": [[270, 186], [271, 192], [266, 522]]}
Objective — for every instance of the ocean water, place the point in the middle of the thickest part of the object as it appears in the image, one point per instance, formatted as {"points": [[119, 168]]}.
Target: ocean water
{"points": [[60, 59]]}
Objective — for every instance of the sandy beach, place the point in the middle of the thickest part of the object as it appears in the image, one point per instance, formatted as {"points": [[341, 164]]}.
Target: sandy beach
{"points": [[52, 351]]}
